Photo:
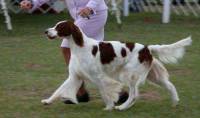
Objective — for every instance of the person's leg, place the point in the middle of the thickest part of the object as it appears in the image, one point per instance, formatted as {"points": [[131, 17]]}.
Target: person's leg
{"points": [[82, 94]]}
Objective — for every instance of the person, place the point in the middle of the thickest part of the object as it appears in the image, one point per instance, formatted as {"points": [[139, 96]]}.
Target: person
{"points": [[90, 16]]}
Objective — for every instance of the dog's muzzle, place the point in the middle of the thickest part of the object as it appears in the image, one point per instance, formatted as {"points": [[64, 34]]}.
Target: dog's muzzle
{"points": [[47, 34]]}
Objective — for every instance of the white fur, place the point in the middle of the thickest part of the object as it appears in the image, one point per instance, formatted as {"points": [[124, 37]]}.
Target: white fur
{"points": [[171, 53], [158, 75], [109, 78]]}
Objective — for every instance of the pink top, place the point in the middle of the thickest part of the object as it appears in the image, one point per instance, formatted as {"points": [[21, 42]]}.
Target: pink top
{"points": [[74, 6]]}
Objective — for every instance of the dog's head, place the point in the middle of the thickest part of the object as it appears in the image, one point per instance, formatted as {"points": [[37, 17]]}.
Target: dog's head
{"points": [[65, 29]]}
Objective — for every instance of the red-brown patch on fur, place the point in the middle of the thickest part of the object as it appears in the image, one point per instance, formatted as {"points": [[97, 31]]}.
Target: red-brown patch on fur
{"points": [[64, 28], [94, 50], [130, 46], [107, 53], [69, 28], [123, 52], [152, 76], [145, 55]]}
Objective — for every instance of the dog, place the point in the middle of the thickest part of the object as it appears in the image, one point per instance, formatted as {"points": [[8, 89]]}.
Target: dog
{"points": [[110, 65]]}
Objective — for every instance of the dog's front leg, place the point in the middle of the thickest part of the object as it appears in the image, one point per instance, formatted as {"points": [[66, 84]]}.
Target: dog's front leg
{"points": [[109, 90], [109, 103], [67, 90]]}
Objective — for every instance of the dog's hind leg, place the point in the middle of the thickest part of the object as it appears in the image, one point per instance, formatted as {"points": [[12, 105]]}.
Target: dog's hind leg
{"points": [[164, 82], [67, 90], [132, 96], [172, 90], [159, 76], [134, 84], [131, 83]]}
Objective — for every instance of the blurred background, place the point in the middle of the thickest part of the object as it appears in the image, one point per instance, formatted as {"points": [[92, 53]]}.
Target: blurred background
{"points": [[31, 67]]}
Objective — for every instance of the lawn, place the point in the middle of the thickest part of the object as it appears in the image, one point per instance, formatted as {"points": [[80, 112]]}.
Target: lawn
{"points": [[31, 68]]}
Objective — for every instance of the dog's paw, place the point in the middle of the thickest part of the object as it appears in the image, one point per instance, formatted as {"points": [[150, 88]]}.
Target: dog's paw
{"points": [[120, 108], [45, 102], [108, 108], [175, 103]]}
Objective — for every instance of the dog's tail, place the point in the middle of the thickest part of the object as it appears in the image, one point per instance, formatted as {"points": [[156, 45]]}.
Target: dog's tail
{"points": [[171, 53]]}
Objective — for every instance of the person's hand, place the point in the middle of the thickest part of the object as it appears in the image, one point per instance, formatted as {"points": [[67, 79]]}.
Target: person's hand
{"points": [[26, 4], [85, 12]]}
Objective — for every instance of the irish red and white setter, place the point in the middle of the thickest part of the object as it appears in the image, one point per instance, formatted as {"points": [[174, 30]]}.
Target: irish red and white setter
{"points": [[110, 65]]}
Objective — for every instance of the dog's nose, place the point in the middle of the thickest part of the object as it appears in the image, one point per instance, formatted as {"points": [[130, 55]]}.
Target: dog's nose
{"points": [[46, 32]]}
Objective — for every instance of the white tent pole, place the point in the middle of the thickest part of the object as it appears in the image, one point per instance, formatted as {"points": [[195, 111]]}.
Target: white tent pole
{"points": [[116, 11], [7, 17], [166, 11], [126, 7]]}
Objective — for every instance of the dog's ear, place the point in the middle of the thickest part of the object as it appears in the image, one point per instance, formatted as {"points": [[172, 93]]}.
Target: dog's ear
{"points": [[76, 34], [64, 29]]}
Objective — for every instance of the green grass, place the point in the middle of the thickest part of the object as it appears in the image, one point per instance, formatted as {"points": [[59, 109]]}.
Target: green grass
{"points": [[31, 68]]}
